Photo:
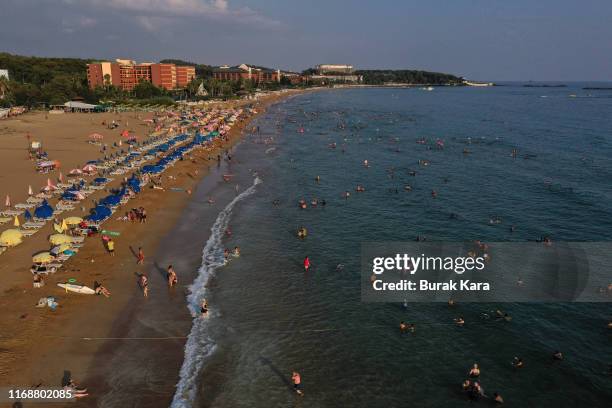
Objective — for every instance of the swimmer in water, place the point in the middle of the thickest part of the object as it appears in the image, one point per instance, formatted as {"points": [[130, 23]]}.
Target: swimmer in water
{"points": [[306, 264], [474, 371], [517, 362], [434, 194], [459, 321], [557, 355], [498, 398], [317, 179], [204, 308], [236, 252], [366, 164]]}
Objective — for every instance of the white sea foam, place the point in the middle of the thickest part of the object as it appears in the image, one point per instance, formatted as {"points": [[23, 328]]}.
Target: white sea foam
{"points": [[199, 344]]}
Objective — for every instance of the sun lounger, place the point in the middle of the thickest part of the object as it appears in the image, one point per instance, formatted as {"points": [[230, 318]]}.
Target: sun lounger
{"points": [[33, 225], [2, 249], [65, 207], [4, 220], [34, 200], [23, 206], [10, 213], [28, 232]]}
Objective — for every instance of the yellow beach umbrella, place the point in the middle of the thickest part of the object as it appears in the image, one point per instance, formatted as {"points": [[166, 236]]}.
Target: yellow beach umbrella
{"points": [[11, 237], [16, 222], [43, 257], [57, 239], [73, 220], [58, 228]]}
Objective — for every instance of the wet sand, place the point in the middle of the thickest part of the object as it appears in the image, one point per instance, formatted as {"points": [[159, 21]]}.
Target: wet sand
{"points": [[86, 334]]}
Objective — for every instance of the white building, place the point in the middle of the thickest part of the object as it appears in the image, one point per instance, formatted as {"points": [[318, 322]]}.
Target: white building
{"points": [[334, 68], [4, 73]]}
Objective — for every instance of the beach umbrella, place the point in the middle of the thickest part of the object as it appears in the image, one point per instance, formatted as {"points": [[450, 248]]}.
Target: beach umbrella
{"points": [[96, 136], [125, 133], [89, 168], [43, 257], [58, 228], [43, 211], [16, 222], [7, 201], [30, 192], [11, 237], [57, 239], [73, 220], [75, 172]]}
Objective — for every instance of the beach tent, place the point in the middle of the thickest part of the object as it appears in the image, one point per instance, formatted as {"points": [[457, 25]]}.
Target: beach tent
{"points": [[57, 239], [43, 211], [11, 237], [73, 220], [43, 258], [79, 106]]}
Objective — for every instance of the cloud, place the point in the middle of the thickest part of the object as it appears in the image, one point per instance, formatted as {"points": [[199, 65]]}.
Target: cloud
{"points": [[147, 10], [72, 24]]}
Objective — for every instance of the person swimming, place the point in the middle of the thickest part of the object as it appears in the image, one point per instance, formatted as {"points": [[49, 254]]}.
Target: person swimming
{"points": [[557, 355], [517, 362], [474, 371], [498, 398], [236, 252], [204, 308], [459, 321]]}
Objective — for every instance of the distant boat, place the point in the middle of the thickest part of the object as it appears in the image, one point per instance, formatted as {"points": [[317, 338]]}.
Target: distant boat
{"points": [[428, 88]]}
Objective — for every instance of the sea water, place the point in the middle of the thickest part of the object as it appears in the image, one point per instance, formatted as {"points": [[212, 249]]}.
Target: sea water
{"points": [[270, 317]]}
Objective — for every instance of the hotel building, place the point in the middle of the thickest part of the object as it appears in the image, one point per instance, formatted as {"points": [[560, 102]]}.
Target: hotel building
{"points": [[126, 74]]}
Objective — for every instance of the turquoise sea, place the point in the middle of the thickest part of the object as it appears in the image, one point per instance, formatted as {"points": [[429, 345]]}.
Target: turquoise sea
{"points": [[270, 317]]}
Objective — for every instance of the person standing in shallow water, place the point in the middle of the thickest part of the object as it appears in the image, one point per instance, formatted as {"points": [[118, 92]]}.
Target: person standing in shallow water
{"points": [[297, 383], [306, 263], [172, 279]]}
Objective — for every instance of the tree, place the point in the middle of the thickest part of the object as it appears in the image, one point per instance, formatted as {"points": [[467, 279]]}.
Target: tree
{"points": [[146, 90]]}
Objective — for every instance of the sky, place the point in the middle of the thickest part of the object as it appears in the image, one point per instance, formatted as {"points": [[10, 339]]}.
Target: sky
{"points": [[500, 40]]}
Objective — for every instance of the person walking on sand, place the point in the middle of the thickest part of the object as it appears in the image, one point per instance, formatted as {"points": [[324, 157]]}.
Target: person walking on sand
{"points": [[110, 246], [172, 279], [140, 256], [306, 263], [297, 383], [144, 284]]}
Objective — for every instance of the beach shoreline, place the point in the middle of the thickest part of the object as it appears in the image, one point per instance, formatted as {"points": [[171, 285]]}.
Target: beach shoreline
{"points": [[82, 327]]}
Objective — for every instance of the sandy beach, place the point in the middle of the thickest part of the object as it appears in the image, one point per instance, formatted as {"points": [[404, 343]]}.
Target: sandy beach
{"points": [[85, 336]]}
